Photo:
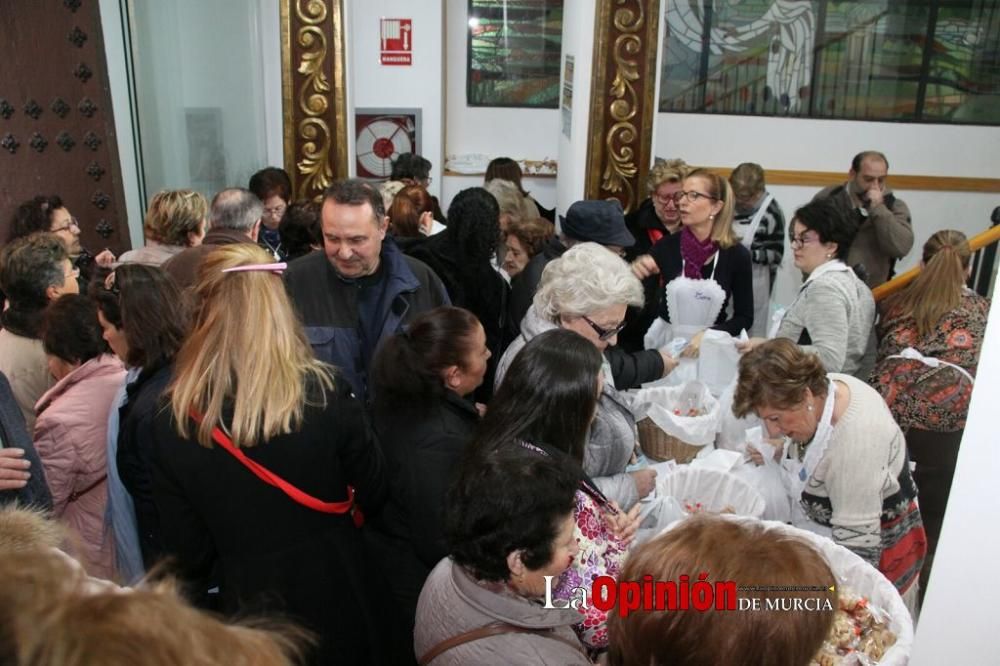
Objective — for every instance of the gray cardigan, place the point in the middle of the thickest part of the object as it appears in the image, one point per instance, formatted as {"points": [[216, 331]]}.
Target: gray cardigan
{"points": [[613, 435], [837, 312]]}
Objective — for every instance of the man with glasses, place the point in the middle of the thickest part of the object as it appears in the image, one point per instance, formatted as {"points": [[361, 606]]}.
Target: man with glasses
{"points": [[885, 230]]}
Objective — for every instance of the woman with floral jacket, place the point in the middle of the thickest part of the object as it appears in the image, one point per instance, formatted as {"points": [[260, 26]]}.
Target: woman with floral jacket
{"points": [[547, 401]]}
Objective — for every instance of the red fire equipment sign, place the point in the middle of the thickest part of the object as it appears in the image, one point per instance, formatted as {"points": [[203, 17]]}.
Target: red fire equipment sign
{"points": [[396, 40]]}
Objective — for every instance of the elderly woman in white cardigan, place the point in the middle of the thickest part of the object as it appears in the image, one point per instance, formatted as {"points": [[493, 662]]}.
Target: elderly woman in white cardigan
{"points": [[587, 290], [833, 315]]}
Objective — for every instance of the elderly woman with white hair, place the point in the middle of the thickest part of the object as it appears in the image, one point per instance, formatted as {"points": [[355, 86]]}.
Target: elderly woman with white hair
{"points": [[587, 290]]}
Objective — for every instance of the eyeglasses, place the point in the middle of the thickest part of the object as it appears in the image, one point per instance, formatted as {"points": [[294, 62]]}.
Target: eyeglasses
{"points": [[604, 333], [670, 198], [276, 211], [73, 222], [691, 196], [802, 239]]}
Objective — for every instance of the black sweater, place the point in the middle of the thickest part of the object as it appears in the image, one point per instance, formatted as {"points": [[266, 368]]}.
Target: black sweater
{"points": [[733, 272]]}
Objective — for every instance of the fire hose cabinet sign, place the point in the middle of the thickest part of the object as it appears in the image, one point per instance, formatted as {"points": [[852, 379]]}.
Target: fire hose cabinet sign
{"points": [[396, 41]]}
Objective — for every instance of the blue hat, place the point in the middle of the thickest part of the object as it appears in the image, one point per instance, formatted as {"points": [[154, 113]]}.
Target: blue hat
{"points": [[599, 221]]}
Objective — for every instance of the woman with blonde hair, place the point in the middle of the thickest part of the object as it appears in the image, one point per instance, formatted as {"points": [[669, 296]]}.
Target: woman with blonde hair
{"points": [[656, 217], [263, 459], [704, 267], [175, 220], [930, 335]]}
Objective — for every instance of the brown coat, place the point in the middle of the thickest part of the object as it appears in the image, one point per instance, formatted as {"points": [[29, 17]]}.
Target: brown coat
{"points": [[183, 268], [23, 361], [886, 234], [452, 603]]}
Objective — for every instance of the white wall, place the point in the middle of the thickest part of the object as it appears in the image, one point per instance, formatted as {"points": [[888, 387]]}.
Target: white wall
{"points": [[958, 622], [417, 86], [828, 145], [498, 132], [578, 41]]}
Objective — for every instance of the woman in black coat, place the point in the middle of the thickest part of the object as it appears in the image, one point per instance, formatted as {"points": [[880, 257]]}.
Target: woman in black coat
{"points": [[464, 257], [425, 422], [293, 418], [141, 312]]}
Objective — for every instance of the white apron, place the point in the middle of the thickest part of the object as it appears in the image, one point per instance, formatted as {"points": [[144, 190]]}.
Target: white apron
{"points": [[693, 305], [761, 274], [797, 473]]}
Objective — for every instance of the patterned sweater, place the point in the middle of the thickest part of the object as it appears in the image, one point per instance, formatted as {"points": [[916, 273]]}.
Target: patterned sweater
{"points": [[862, 488], [768, 245]]}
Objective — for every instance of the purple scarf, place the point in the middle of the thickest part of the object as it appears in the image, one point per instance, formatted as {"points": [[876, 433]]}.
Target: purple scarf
{"points": [[695, 253]]}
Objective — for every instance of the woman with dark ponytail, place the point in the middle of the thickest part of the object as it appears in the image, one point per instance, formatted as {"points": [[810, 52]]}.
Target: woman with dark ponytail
{"points": [[422, 380], [929, 336]]}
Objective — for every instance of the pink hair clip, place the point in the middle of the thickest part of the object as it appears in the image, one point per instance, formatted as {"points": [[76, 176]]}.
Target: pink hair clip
{"points": [[277, 268]]}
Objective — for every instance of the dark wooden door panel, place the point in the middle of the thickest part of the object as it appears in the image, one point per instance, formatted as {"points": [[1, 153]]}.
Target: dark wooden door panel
{"points": [[57, 132]]}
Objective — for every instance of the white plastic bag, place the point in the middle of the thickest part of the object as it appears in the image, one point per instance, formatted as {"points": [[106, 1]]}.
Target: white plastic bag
{"points": [[711, 490], [718, 360], [660, 403], [732, 430]]}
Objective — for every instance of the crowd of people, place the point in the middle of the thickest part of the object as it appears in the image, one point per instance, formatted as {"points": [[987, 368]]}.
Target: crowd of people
{"points": [[395, 436]]}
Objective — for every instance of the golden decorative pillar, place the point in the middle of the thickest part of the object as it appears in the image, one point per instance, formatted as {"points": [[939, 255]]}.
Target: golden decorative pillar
{"points": [[622, 103], [313, 87]]}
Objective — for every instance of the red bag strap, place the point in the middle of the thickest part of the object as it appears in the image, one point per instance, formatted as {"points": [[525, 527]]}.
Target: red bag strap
{"points": [[270, 478]]}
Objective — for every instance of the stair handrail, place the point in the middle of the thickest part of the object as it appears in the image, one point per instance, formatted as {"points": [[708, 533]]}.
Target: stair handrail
{"points": [[976, 243]]}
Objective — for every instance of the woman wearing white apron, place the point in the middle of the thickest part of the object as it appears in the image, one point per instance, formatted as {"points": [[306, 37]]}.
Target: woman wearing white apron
{"points": [[704, 267], [833, 315], [760, 224], [846, 469]]}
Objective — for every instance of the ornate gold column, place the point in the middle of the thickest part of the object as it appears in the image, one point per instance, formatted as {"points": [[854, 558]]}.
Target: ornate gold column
{"points": [[622, 104], [314, 87]]}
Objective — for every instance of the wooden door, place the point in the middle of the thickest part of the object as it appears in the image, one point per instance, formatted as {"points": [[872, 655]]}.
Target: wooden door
{"points": [[57, 133]]}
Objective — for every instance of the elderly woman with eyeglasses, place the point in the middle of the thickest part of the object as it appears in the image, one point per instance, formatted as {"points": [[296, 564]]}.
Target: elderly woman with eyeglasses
{"points": [[833, 315], [587, 290], [704, 267]]}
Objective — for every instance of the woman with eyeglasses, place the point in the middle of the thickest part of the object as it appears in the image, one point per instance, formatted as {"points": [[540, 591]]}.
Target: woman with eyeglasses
{"points": [[656, 218], [49, 213], [833, 315], [274, 188], [587, 290], [704, 267]]}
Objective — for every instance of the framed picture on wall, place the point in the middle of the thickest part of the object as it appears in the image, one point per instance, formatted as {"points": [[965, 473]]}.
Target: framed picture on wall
{"points": [[514, 51], [382, 135]]}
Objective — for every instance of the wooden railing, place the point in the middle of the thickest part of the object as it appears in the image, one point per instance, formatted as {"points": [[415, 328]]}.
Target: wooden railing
{"points": [[976, 243]]}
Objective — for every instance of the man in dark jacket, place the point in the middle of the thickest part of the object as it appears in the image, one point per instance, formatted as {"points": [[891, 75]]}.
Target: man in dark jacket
{"points": [[601, 222], [22, 479], [234, 218], [361, 288]]}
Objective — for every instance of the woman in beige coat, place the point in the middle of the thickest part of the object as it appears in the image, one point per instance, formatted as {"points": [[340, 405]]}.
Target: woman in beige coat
{"points": [[510, 525], [71, 430]]}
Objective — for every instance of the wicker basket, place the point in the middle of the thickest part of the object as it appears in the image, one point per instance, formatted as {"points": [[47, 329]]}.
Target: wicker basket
{"points": [[660, 446]]}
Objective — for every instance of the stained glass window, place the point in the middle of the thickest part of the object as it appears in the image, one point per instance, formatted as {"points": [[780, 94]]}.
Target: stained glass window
{"points": [[514, 53], [906, 60]]}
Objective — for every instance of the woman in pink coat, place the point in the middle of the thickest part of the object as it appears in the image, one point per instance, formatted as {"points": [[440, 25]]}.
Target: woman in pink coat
{"points": [[71, 430]]}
